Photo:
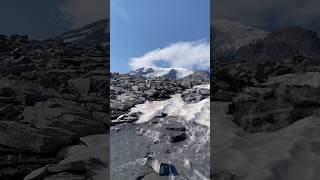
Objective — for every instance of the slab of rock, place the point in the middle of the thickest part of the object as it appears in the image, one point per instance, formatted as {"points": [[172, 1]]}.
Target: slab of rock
{"points": [[23, 137], [65, 115], [66, 176], [37, 174], [76, 166]]}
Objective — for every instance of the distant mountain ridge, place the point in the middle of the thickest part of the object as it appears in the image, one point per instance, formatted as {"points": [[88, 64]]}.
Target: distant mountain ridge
{"points": [[229, 36], [172, 73], [96, 33], [281, 44]]}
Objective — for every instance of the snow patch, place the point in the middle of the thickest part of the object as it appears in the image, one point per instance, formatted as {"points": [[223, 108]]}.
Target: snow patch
{"points": [[198, 113], [202, 86], [157, 72]]}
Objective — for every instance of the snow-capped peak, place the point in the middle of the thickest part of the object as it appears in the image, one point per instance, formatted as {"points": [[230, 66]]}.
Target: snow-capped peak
{"points": [[172, 73]]}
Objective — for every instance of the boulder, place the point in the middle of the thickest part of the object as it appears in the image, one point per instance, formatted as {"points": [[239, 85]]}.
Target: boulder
{"points": [[162, 169], [63, 114]]}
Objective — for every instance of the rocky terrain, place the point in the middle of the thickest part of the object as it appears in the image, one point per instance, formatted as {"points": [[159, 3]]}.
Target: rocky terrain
{"points": [[53, 109], [265, 109], [162, 118]]}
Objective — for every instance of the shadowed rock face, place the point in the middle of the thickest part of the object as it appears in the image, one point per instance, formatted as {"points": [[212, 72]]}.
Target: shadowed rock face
{"points": [[280, 44], [52, 93], [199, 75], [265, 109], [95, 33]]}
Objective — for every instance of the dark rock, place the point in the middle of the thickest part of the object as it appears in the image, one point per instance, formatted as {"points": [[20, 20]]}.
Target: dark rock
{"points": [[81, 85], [75, 167], [66, 175], [285, 100], [198, 75], [195, 95], [162, 169], [224, 175], [37, 174], [177, 136], [31, 139], [281, 44]]}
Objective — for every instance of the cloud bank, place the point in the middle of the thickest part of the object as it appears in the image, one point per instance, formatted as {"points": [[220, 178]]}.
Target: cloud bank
{"points": [[81, 12], [190, 55]]}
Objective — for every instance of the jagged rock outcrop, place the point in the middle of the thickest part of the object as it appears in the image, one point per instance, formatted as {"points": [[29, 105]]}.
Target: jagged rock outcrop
{"points": [[281, 44]]}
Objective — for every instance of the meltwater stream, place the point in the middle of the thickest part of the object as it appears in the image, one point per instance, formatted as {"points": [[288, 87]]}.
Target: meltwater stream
{"points": [[132, 143]]}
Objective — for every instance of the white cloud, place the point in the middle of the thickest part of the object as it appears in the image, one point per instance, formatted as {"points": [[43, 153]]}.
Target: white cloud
{"points": [[190, 55], [81, 12]]}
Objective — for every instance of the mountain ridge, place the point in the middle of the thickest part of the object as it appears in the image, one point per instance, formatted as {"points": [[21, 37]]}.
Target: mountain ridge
{"points": [[95, 33], [172, 73]]}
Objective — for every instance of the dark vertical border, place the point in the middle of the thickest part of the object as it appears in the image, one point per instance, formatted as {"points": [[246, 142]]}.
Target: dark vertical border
{"points": [[108, 92], [211, 87]]}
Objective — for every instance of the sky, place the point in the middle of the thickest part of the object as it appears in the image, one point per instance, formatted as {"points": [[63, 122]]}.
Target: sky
{"points": [[270, 14], [153, 33], [41, 19]]}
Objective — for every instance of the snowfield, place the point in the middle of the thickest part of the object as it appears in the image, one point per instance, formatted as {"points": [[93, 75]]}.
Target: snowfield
{"points": [[157, 72], [191, 157], [198, 113]]}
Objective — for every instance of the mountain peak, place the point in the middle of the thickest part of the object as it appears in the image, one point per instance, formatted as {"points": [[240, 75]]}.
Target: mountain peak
{"points": [[229, 36], [171, 73], [96, 33]]}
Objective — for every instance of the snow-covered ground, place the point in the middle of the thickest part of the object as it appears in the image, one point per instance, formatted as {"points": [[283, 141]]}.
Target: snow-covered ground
{"points": [[191, 157], [198, 113]]}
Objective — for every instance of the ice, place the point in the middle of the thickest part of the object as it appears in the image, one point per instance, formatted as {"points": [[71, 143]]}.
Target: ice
{"points": [[198, 113]]}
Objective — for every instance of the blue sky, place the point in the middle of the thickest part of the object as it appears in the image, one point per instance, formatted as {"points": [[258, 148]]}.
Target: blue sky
{"points": [[142, 26]]}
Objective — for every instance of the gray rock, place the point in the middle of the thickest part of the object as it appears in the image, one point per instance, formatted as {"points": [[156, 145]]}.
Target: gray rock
{"points": [[82, 85], [66, 176], [76, 166], [37, 174], [65, 115]]}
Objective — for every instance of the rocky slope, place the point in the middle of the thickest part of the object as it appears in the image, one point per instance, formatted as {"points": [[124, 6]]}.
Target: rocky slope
{"points": [[161, 118], [265, 116], [52, 95], [280, 44]]}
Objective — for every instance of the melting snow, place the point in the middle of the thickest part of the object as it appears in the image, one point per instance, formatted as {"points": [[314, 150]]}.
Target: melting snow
{"points": [[198, 113]]}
